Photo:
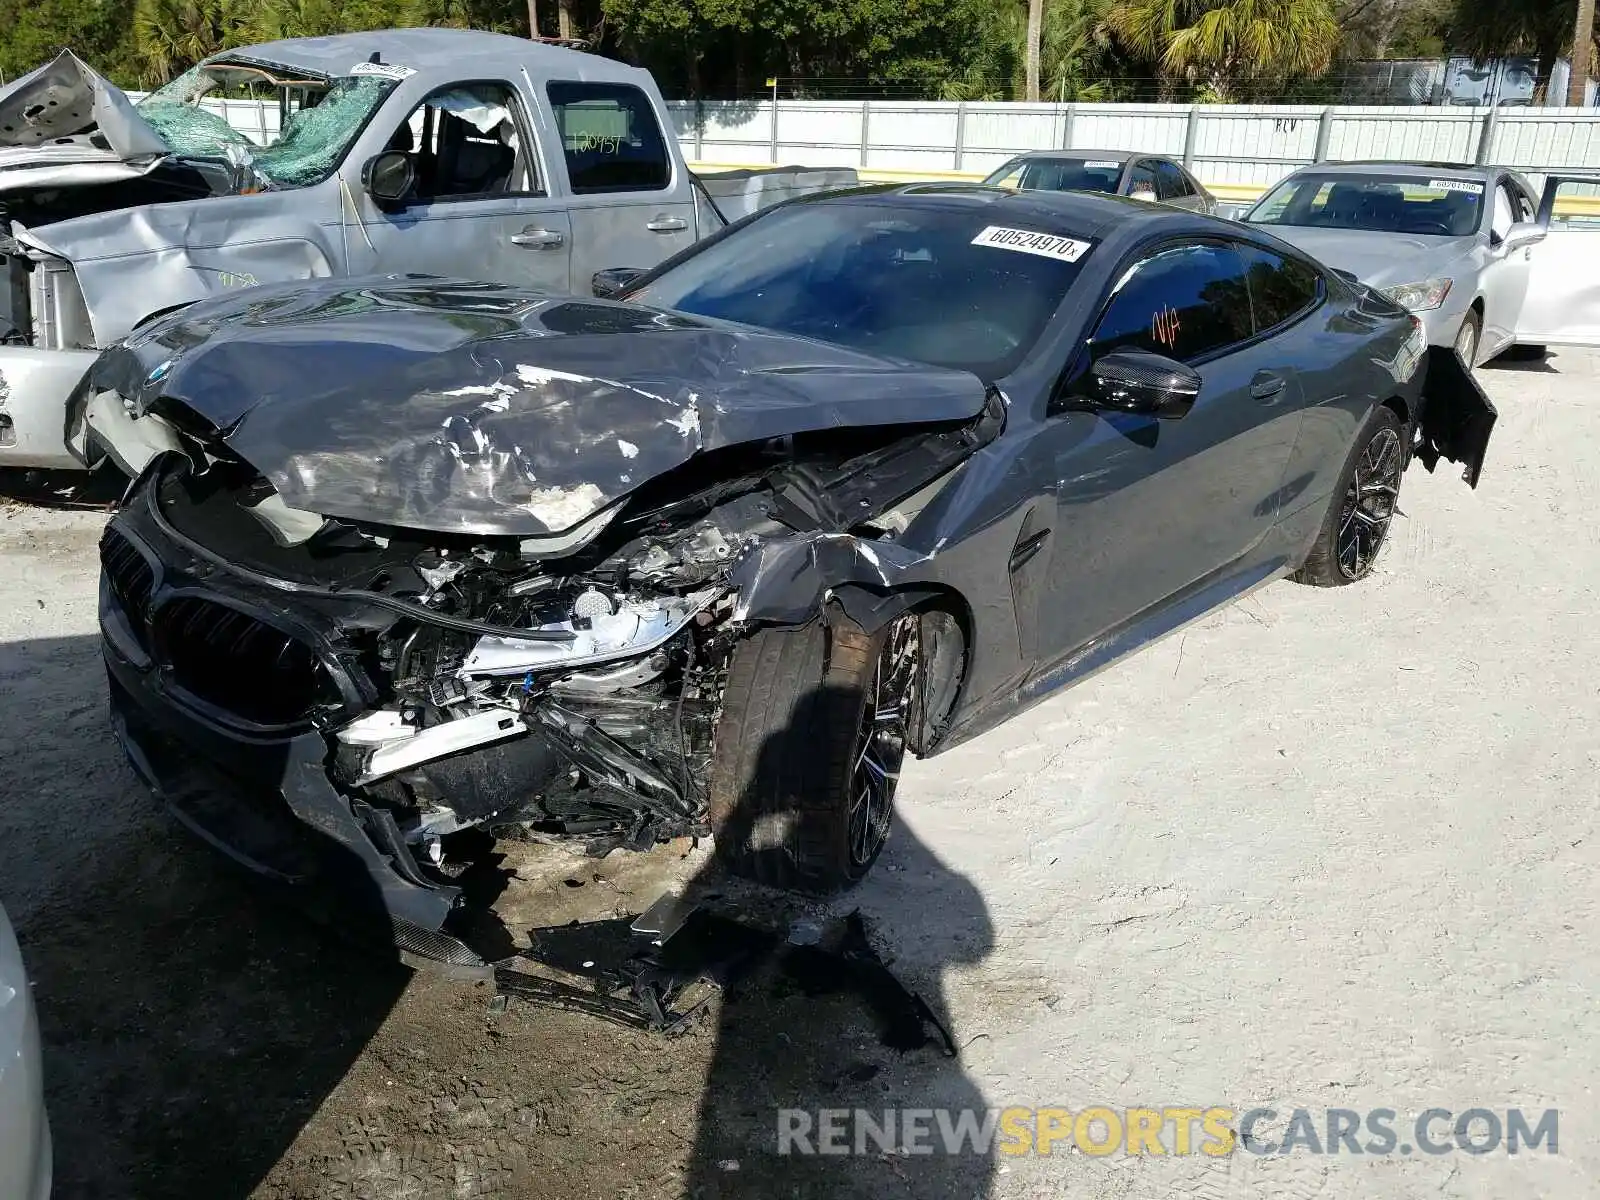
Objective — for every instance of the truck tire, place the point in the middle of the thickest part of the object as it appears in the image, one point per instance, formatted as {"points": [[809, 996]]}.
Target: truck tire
{"points": [[808, 751]]}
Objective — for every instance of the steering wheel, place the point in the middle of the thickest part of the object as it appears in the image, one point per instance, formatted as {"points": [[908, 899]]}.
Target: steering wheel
{"points": [[1438, 227]]}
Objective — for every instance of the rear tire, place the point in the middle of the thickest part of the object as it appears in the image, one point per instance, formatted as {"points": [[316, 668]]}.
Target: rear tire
{"points": [[1357, 525], [808, 751]]}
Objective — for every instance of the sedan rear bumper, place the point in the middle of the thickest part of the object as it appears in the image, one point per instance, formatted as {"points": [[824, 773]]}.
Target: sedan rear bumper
{"points": [[25, 1165]]}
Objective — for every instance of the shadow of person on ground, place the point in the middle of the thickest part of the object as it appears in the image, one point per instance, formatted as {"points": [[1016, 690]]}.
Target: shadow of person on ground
{"points": [[790, 1045], [191, 1026]]}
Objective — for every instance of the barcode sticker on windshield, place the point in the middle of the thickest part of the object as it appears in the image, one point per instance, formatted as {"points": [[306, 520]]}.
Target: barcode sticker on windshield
{"points": [[1046, 245], [1456, 185], [383, 70]]}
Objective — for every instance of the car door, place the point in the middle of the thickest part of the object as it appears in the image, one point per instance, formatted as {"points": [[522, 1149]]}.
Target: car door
{"points": [[1505, 277], [1563, 301], [629, 208], [478, 206], [1149, 507]]}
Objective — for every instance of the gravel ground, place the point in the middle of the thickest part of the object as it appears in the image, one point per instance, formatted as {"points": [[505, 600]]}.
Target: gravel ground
{"points": [[1324, 849]]}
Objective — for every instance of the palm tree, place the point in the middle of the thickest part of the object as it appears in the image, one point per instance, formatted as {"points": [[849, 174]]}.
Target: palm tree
{"points": [[1582, 53], [1489, 29], [1219, 44], [1035, 31], [172, 35]]}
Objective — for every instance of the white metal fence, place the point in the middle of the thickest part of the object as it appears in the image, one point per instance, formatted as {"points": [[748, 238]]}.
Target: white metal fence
{"points": [[1232, 147], [1249, 146]]}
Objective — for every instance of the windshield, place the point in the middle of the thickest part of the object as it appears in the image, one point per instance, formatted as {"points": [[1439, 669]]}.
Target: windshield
{"points": [[325, 119], [1058, 175], [1414, 205], [933, 285]]}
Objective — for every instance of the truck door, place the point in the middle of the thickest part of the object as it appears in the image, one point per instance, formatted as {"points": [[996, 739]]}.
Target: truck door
{"points": [[631, 200], [478, 207]]}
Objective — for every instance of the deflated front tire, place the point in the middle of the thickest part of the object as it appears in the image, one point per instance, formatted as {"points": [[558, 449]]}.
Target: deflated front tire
{"points": [[809, 748]]}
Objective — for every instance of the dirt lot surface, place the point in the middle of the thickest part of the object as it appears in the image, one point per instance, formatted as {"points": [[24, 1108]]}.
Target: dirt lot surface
{"points": [[1323, 850]]}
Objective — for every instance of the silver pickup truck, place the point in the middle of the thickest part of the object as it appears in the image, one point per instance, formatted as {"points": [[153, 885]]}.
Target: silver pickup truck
{"points": [[434, 151]]}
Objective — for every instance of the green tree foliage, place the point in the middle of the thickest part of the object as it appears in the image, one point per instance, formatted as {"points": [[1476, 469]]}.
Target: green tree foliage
{"points": [[1219, 46]]}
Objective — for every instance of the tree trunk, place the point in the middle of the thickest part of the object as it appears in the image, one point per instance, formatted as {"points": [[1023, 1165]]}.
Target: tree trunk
{"points": [[564, 13], [533, 18], [1582, 47], [1035, 32]]}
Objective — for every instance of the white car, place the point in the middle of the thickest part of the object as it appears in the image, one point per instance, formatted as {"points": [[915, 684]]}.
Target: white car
{"points": [[24, 1132], [1486, 264]]}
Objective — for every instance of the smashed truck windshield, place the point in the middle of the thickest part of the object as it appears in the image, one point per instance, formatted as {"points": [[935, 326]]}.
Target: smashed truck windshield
{"points": [[326, 116]]}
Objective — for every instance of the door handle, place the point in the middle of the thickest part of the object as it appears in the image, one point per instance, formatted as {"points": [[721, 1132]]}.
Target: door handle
{"points": [[666, 224], [538, 239], [1267, 386]]}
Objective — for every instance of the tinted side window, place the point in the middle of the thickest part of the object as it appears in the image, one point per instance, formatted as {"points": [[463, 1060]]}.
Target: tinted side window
{"points": [[1280, 288], [1171, 184], [1141, 178], [610, 137], [1184, 302]]}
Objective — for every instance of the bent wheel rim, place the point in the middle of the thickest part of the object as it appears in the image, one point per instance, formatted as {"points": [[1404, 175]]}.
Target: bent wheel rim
{"points": [[1369, 504], [880, 748]]}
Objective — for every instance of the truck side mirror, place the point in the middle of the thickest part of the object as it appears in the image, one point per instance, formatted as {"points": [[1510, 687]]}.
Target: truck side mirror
{"points": [[388, 179]]}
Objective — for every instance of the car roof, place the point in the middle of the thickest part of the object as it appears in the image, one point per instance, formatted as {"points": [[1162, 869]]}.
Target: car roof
{"points": [[1381, 166], [462, 52], [1074, 152], [1072, 214]]}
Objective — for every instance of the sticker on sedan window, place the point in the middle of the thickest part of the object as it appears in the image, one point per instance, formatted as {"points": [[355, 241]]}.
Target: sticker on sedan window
{"points": [[1097, 166], [1456, 185], [383, 70], [1047, 245]]}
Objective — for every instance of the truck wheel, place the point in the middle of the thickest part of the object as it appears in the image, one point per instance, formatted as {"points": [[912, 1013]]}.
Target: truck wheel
{"points": [[1364, 504], [809, 748]]}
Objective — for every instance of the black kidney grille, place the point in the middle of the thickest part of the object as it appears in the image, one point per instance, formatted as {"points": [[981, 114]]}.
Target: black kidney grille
{"points": [[129, 575], [239, 663]]}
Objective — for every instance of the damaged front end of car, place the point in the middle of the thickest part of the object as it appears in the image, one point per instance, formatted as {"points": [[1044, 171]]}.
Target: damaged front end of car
{"points": [[372, 687]]}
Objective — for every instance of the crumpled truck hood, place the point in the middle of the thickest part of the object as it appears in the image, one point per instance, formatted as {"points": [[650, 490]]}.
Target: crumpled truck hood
{"points": [[64, 124], [485, 409]]}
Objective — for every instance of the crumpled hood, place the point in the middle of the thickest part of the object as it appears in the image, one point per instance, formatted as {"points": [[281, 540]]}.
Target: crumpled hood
{"points": [[480, 408], [1378, 259], [65, 124]]}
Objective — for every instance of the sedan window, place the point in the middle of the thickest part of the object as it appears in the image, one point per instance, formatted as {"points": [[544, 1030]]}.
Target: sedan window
{"points": [[1416, 205], [1171, 183], [1058, 175], [1186, 302], [1281, 288], [932, 285]]}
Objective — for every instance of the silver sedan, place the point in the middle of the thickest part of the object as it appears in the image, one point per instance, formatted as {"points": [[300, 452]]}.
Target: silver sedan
{"points": [[1453, 244], [1115, 172], [24, 1134]]}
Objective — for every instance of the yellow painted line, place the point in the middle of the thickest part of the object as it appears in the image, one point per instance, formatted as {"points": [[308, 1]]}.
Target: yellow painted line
{"points": [[1566, 206]]}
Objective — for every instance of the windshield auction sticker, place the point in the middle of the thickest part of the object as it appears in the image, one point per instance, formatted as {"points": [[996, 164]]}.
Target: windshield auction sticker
{"points": [[383, 70], [1456, 185], [1046, 245]]}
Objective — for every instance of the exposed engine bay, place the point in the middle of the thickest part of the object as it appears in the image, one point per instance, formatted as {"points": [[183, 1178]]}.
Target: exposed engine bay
{"points": [[463, 681]]}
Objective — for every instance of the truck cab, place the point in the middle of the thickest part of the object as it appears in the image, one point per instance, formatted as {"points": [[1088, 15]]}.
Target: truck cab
{"points": [[432, 151]]}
